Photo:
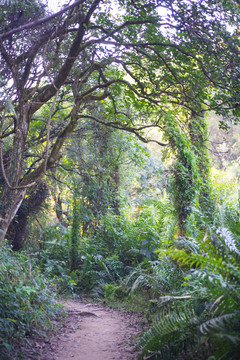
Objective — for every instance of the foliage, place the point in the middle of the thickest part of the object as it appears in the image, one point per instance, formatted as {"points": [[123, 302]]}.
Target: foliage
{"points": [[118, 246], [75, 231], [117, 235], [115, 292], [190, 180], [169, 329], [185, 179], [208, 312], [72, 84], [14, 13], [198, 131], [158, 277], [137, 69], [98, 271], [186, 326], [224, 145], [99, 159], [27, 301], [53, 258]]}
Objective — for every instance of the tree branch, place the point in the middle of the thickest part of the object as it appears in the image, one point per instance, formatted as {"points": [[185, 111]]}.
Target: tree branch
{"points": [[119, 126], [36, 23]]}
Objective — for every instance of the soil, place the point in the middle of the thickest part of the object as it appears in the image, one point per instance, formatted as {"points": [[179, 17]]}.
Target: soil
{"points": [[92, 332]]}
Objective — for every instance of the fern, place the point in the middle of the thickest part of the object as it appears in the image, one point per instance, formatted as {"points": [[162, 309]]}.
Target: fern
{"points": [[170, 327], [209, 258], [223, 331], [156, 277], [216, 324], [182, 328], [229, 240], [213, 273]]}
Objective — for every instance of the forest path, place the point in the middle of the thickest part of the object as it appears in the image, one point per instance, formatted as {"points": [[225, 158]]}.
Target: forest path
{"points": [[93, 332]]}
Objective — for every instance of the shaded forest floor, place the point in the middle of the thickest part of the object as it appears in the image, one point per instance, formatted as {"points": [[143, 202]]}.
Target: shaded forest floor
{"points": [[91, 331]]}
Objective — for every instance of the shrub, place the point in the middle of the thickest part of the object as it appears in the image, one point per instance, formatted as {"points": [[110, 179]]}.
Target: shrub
{"points": [[204, 319], [27, 300], [97, 271], [157, 277]]}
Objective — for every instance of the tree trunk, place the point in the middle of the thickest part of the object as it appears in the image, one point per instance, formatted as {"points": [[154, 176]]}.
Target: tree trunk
{"points": [[11, 200], [12, 194], [17, 231]]}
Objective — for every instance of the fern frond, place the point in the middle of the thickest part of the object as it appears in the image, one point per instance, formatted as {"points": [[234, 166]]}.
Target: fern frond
{"points": [[169, 327], [223, 332], [215, 324], [140, 281], [215, 306], [229, 240], [207, 260], [188, 244]]}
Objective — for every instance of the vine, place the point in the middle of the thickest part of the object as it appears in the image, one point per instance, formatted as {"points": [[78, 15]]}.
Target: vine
{"points": [[198, 132], [185, 179]]}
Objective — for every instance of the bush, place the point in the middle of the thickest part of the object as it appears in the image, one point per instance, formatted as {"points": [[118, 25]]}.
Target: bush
{"points": [[97, 271], [117, 235], [54, 259], [27, 300], [157, 277], [203, 320], [114, 292]]}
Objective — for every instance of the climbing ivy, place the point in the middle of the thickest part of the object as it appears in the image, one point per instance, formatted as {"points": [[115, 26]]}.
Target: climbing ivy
{"points": [[185, 177], [198, 132]]}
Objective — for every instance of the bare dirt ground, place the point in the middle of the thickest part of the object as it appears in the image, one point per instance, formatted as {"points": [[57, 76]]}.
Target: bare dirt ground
{"points": [[92, 332]]}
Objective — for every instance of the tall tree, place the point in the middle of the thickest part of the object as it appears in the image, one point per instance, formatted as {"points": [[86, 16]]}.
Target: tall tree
{"points": [[65, 58]]}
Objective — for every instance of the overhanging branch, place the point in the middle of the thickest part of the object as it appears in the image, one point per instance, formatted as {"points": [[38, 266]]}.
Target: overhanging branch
{"points": [[119, 126]]}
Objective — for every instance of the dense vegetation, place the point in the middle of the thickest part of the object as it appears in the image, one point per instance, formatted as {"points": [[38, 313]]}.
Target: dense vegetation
{"points": [[107, 185]]}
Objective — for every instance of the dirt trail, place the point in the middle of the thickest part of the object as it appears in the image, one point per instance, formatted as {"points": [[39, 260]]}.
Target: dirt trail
{"points": [[93, 332]]}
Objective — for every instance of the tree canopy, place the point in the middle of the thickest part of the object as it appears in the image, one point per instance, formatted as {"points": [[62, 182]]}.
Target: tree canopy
{"points": [[125, 64]]}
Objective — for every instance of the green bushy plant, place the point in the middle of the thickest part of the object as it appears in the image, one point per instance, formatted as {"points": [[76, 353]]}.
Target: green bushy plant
{"points": [[157, 277], [154, 223], [27, 300], [97, 271], [138, 237], [115, 292], [212, 290], [174, 330], [117, 235], [120, 244], [54, 259]]}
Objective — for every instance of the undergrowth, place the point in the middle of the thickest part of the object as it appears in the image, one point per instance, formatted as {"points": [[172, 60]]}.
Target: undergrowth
{"points": [[201, 320], [27, 302], [187, 287]]}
